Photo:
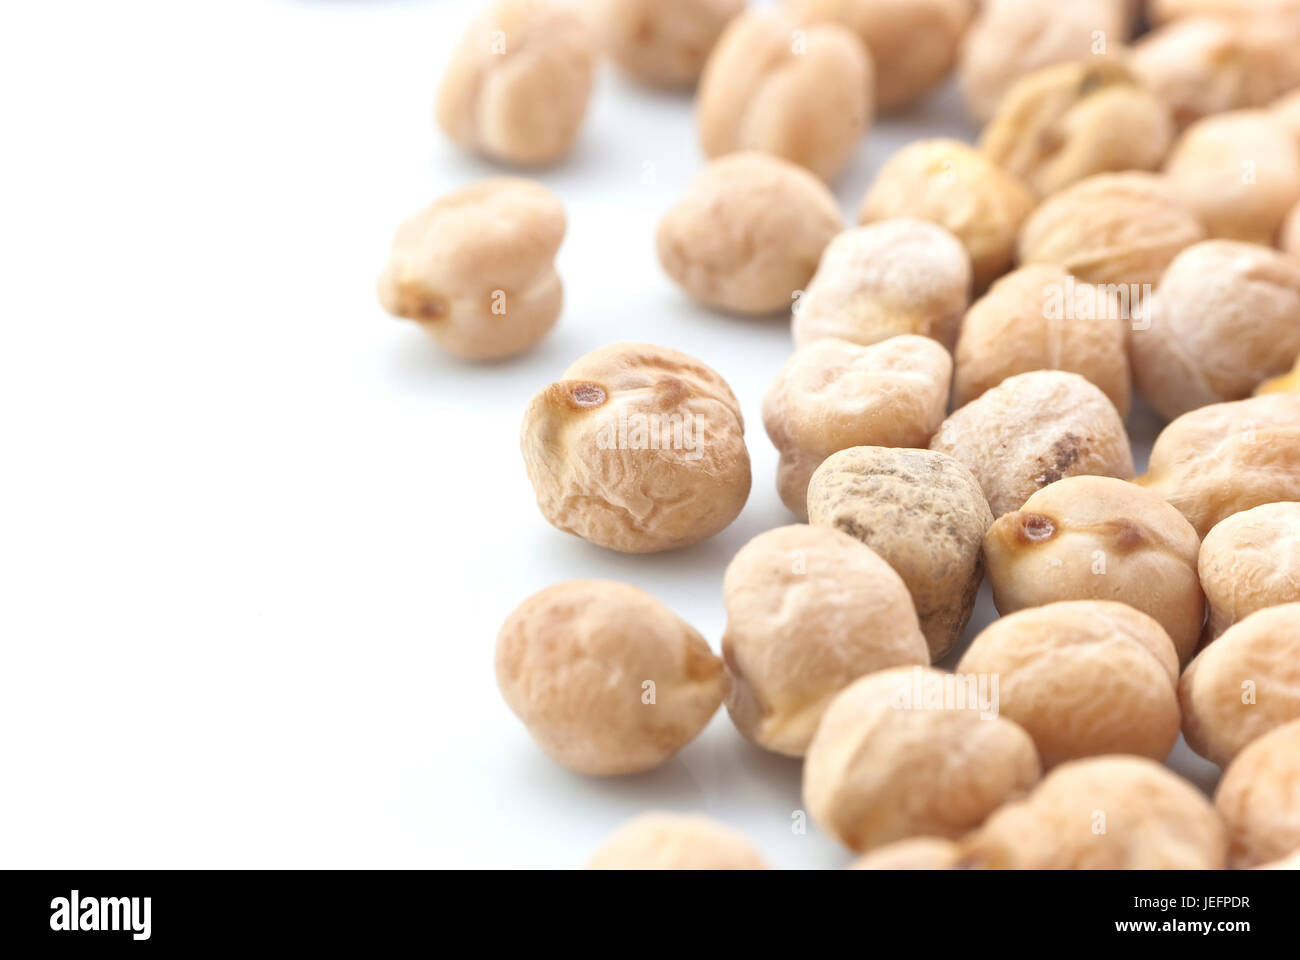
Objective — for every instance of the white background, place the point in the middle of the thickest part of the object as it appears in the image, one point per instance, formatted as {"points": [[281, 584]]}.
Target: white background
{"points": [[258, 536]]}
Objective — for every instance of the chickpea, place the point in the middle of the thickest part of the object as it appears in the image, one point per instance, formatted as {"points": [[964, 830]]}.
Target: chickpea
{"points": [[1112, 228], [1259, 798], [1104, 813], [1097, 538], [1015, 328], [517, 86], [1287, 383], [1034, 429], [1228, 457], [917, 853], [1163, 11], [802, 94], [957, 187], [886, 764], [1251, 561], [1289, 862], [637, 448], [809, 610], [605, 677], [663, 43], [748, 233], [1289, 237], [833, 394], [674, 841], [1286, 111], [924, 513], [892, 277]]}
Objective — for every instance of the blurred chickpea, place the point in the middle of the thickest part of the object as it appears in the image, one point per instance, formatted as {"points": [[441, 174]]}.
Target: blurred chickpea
{"points": [[675, 841], [1250, 561], [1287, 383], [917, 853], [1259, 797], [663, 43]]}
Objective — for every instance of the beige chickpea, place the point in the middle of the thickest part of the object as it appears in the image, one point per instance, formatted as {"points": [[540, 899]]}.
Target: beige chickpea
{"points": [[1244, 684], [517, 87], [748, 233], [833, 394], [1289, 236], [1250, 561], [1164, 11], [892, 277], [1104, 813], [1083, 678], [799, 93], [1286, 111], [924, 513], [1034, 429], [1022, 325], [476, 268], [894, 758], [1259, 798], [914, 43], [809, 610], [675, 841], [916, 853], [663, 43], [1112, 228], [605, 677], [1225, 317], [957, 187], [1064, 123], [637, 448], [1097, 538], [1228, 457], [1287, 383]]}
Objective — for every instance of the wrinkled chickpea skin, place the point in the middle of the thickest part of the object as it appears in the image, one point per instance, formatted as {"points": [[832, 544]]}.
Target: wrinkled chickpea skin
{"points": [[662, 43], [1249, 562], [1259, 798], [674, 841]]}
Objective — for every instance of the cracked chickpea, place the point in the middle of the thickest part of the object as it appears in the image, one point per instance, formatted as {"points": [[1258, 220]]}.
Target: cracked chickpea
{"points": [[1250, 561], [1259, 798], [663, 43], [637, 448], [674, 841], [605, 677]]}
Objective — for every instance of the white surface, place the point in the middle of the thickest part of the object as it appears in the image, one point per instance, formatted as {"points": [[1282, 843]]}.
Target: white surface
{"points": [[258, 536]]}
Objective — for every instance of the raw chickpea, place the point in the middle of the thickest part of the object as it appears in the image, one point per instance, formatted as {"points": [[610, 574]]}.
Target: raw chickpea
{"points": [[663, 43], [892, 277], [1034, 429], [957, 187], [1289, 237], [887, 763], [833, 394], [1228, 457], [517, 86], [1163, 11], [1224, 319], [748, 233], [809, 610], [913, 42], [1104, 813], [917, 853], [1259, 798], [605, 677], [1113, 228], [1083, 678], [674, 841], [1286, 111], [924, 513], [1251, 561], [1061, 124], [1287, 383], [1244, 684], [1017, 328], [1289, 862], [637, 448], [802, 94], [1096, 538]]}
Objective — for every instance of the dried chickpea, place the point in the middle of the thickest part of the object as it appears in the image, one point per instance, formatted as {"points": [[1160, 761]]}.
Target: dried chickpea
{"points": [[1286, 111], [1104, 813], [1113, 228], [1228, 457], [917, 853], [1083, 678], [1097, 538], [914, 43], [924, 513], [1034, 429], [888, 764], [1163, 11], [1259, 798], [1287, 383], [1244, 684], [833, 394], [663, 43], [1250, 561], [637, 448], [809, 610], [605, 677], [1020, 326], [957, 187], [802, 94], [748, 233], [1063, 123], [892, 277], [675, 841], [517, 86], [1289, 237], [1225, 317], [1289, 862]]}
